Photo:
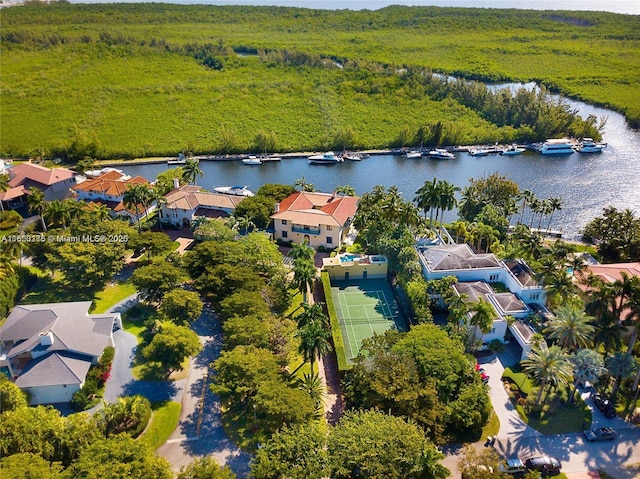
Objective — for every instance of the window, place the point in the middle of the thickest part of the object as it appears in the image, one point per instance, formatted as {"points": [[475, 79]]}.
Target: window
{"points": [[493, 277], [328, 227], [284, 234], [284, 222], [329, 240], [534, 296]]}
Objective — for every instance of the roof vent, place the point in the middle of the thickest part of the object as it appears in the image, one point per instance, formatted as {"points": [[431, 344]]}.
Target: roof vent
{"points": [[46, 338]]}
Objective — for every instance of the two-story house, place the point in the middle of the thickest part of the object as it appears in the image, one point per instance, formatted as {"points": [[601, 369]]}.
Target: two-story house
{"points": [[476, 273], [319, 219], [54, 183], [186, 203]]}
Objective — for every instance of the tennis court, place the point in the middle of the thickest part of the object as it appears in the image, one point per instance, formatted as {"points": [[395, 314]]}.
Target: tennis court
{"points": [[364, 307]]}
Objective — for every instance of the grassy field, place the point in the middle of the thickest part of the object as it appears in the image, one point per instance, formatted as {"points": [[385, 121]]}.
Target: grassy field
{"points": [[163, 423], [135, 80]]}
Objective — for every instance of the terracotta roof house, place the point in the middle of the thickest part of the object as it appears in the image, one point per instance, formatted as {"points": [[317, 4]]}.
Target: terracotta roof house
{"points": [[188, 202], [321, 219], [54, 183], [476, 273], [109, 189], [48, 348]]}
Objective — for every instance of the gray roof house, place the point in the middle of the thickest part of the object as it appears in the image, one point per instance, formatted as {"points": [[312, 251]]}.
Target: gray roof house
{"points": [[48, 348]]}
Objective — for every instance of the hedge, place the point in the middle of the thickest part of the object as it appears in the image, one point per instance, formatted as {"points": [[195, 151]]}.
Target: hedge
{"points": [[338, 342]]}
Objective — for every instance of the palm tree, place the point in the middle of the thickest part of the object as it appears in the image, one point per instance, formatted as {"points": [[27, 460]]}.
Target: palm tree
{"points": [[555, 204], [303, 185], [244, 223], [427, 198], [192, 171], [559, 284], [101, 211], [345, 190], [545, 209], [535, 205], [311, 313], [460, 229], [548, 366], [526, 196], [59, 212], [571, 327], [447, 197], [304, 276], [314, 341], [37, 204], [483, 314], [620, 366], [137, 196], [312, 385]]}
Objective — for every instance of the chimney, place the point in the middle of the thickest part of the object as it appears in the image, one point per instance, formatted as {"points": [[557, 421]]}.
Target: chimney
{"points": [[46, 338], [176, 183], [277, 207]]}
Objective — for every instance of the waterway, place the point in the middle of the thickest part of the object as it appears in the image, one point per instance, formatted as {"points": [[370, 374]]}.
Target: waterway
{"points": [[586, 183]]}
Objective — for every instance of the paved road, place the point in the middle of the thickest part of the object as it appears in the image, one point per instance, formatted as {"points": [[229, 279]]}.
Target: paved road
{"points": [[199, 431], [578, 457]]}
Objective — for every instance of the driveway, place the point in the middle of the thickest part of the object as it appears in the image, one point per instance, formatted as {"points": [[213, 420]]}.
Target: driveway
{"points": [[199, 432]]}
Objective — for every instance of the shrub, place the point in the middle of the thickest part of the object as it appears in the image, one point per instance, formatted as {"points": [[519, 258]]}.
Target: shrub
{"points": [[496, 346], [9, 219], [338, 341], [79, 401]]}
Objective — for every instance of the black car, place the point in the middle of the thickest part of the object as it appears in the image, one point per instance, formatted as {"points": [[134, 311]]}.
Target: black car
{"points": [[600, 434], [604, 405], [545, 464]]}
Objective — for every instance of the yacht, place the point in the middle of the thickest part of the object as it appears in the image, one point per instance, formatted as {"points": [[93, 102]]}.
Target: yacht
{"points": [[233, 190], [479, 152], [587, 145], [512, 150], [441, 154], [252, 160], [414, 154], [327, 158], [352, 156], [557, 147]]}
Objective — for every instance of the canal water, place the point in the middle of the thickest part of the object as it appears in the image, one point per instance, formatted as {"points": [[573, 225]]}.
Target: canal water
{"points": [[585, 183]]}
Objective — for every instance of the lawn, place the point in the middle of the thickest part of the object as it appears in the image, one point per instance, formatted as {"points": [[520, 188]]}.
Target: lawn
{"points": [[163, 422], [557, 415], [112, 294]]}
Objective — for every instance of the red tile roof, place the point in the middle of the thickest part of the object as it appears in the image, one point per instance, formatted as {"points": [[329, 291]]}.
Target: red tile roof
{"points": [[23, 172], [314, 209], [110, 184]]}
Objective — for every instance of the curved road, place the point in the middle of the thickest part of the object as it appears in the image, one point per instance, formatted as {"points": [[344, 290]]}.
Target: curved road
{"points": [[199, 431]]}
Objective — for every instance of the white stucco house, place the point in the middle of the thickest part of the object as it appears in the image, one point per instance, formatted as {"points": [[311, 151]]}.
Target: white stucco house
{"points": [[48, 349], [319, 219], [186, 203], [476, 273]]}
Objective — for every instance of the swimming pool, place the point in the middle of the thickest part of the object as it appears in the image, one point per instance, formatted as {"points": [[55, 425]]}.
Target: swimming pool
{"points": [[345, 258]]}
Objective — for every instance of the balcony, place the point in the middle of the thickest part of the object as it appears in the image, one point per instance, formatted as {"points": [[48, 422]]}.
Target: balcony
{"points": [[306, 230]]}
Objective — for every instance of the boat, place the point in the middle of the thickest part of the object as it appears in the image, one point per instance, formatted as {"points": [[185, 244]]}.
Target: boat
{"points": [[233, 190], [512, 150], [441, 154], [327, 158], [556, 147], [479, 152], [352, 156], [587, 145], [252, 160], [181, 160], [414, 154]]}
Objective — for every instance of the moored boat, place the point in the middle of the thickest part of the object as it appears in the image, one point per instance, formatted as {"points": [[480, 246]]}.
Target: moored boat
{"points": [[352, 156], [252, 160], [512, 150], [327, 158], [587, 145], [441, 154], [233, 190], [479, 151], [560, 146], [181, 160], [413, 154]]}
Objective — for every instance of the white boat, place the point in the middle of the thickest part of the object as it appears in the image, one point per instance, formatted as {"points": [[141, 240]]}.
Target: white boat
{"points": [[252, 160], [233, 190], [557, 147], [441, 154], [352, 156], [327, 158], [414, 154], [587, 145], [181, 160], [478, 152], [512, 150]]}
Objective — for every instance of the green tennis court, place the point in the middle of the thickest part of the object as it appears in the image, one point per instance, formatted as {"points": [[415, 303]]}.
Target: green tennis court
{"points": [[364, 307]]}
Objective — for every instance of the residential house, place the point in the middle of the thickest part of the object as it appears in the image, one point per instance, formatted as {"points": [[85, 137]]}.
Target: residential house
{"points": [[109, 189], [348, 266], [54, 183], [186, 203], [519, 296], [48, 348], [319, 219]]}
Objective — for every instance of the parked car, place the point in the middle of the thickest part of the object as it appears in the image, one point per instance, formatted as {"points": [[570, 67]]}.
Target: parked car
{"points": [[546, 464], [600, 434], [604, 405], [513, 466]]}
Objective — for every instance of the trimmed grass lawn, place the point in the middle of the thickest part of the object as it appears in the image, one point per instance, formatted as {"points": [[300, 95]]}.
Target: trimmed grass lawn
{"points": [[557, 416], [163, 422], [112, 294]]}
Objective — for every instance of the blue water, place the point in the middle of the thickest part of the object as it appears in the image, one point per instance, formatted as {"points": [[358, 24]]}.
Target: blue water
{"points": [[348, 257]]}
